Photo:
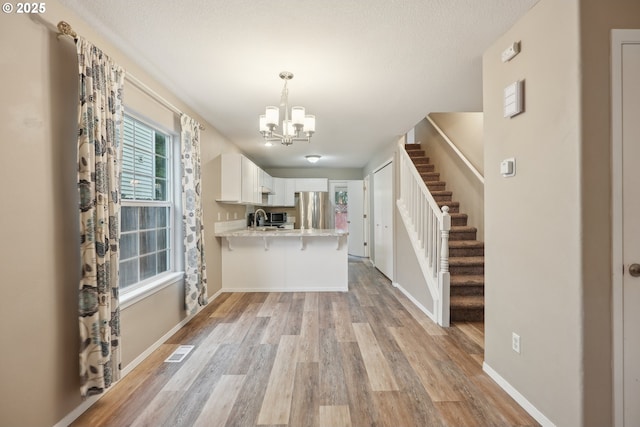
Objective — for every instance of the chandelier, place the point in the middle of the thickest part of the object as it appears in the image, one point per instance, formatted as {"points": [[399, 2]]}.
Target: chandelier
{"points": [[297, 127]]}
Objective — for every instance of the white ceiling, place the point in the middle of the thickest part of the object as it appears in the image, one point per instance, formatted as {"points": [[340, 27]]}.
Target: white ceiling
{"points": [[369, 70]]}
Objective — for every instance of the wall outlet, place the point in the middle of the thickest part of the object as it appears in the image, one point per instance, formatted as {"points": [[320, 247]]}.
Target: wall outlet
{"points": [[515, 342]]}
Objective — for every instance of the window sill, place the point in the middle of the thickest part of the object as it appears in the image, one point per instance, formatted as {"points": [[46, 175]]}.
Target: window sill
{"points": [[136, 295]]}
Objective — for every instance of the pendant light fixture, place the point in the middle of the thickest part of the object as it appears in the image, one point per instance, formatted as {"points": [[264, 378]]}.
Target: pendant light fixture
{"points": [[296, 127]]}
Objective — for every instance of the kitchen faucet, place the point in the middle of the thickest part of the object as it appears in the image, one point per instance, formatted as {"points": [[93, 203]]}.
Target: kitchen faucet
{"points": [[255, 216]]}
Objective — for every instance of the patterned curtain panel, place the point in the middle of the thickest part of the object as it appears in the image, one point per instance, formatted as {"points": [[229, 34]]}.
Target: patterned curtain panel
{"points": [[195, 291], [100, 115]]}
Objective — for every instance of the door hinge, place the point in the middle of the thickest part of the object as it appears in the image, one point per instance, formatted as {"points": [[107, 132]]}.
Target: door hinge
{"points": [[364, 216], [365, 243]]}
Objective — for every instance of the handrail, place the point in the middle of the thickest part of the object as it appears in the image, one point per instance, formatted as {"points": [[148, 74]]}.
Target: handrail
{"points": [[457, 151], [428, 228]]}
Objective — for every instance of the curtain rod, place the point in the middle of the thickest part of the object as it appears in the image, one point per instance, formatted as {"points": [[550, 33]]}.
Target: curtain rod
{"points": [[64, 29]]}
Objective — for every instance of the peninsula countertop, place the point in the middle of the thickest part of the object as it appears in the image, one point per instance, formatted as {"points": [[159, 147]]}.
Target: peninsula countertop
{"points": [[279, 232]]}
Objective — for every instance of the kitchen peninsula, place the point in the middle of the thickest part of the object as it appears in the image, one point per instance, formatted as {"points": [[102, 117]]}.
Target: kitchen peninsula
{"points": [[277, 260]]}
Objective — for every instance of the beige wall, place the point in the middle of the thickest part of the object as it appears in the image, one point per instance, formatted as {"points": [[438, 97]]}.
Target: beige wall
{"points": [[38, 231], [597, 20], [532, 221], [465, 131], [553, 284]]}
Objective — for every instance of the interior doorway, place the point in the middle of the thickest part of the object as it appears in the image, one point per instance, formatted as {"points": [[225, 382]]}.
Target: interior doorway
{"points": [[347, 201]]}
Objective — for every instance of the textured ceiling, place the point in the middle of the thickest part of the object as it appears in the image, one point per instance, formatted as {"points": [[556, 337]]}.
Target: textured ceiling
{"points": [[369, 70]]}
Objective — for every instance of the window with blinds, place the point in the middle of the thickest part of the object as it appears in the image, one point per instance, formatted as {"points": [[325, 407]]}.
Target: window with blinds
{"points": [[144, 162], [147, 210]]}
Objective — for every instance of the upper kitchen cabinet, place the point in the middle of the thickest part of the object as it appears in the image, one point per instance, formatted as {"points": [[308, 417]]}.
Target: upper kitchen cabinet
{"points": [[265, 183], [230, 178], [251, 193], [312, 184], [240, 180], [283, 192]]}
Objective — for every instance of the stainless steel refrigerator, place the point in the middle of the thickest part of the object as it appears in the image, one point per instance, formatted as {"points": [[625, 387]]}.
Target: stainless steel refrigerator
{"points": [[314, 210]]}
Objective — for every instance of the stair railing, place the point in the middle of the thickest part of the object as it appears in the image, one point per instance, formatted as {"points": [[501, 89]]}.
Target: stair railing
{"points": [[428, 228]]}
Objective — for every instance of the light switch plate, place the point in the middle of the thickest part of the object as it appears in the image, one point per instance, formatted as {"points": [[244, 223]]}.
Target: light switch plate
{"points": [[513, 96]]}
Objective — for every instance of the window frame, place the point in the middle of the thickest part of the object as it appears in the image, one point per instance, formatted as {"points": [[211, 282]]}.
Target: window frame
{"points": [[143, 288]]}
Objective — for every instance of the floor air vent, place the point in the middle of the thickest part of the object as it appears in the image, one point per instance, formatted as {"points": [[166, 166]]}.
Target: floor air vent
{"points": [[179, 354]]}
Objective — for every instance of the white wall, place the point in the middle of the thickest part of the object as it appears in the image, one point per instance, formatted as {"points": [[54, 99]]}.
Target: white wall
{"points": [[316, 172], [408, 274]]}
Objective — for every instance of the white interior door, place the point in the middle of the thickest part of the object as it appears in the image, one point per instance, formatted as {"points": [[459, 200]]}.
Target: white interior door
{"points": [[383, 220], [366, 216], [626, 131], [355, 217], [631, 227]]}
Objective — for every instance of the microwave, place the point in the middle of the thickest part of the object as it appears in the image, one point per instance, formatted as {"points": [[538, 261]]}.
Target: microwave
{"points": [[275, 218]]}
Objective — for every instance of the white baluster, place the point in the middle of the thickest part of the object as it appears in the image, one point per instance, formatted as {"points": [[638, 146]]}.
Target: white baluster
{"points": [[444, 278], [444, 250]]}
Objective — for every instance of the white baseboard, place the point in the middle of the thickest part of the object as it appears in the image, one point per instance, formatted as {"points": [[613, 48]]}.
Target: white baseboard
{"points": [[86, 404], [515, 394], [415, 302]]}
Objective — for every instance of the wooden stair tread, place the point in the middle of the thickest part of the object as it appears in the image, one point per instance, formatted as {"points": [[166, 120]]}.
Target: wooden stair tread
{"points": [[466, 301], [467, 280], [466, 260], [425, 175], [441, 193], [459, 244], [462, 228], [412, 147]]}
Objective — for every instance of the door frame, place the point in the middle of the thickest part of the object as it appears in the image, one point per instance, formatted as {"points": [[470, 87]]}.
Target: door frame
{"points": [[618, 38]]}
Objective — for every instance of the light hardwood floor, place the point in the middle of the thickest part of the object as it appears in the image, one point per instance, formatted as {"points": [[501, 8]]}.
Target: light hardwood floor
{"points": [[367, 357]]}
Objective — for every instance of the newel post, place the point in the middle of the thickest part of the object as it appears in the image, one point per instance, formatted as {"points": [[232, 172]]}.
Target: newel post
{"points": [[443, 275]]}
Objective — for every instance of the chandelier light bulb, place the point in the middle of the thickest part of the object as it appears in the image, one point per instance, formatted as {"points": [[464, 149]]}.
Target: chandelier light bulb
{"points": [[263, 123], [309, 124], [272, 116], [297, 116]]}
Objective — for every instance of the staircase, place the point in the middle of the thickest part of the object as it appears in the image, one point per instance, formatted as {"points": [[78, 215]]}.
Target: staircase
{"points": [[466, 253]]}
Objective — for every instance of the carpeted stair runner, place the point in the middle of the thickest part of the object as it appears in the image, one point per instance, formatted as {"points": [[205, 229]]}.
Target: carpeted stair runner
{"points": [[466, 253]]}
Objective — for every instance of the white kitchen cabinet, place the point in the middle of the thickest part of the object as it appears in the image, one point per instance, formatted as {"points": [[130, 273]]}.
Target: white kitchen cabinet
{"points": [[266, 182], [276, 198], [239, 179], [289, 192], [312, 184], [283, 189], [250, 182], [230, 178], [242, 181]]}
